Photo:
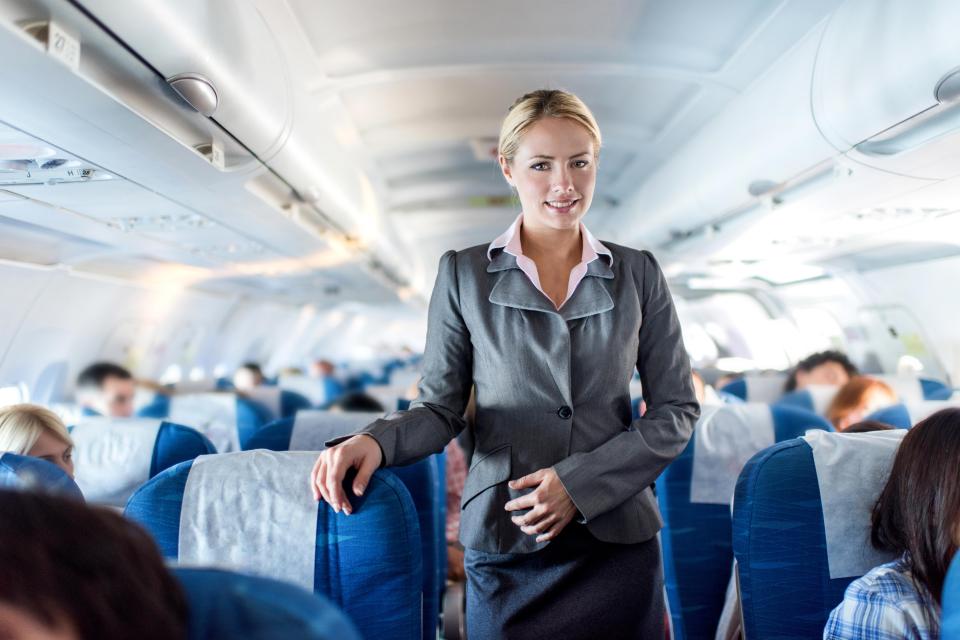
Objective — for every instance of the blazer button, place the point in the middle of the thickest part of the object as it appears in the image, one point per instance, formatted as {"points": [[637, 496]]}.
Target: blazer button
{"points": [[565, 412]]}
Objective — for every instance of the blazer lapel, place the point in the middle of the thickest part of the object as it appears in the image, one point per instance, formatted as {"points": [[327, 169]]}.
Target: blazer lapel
{"points": [[512, 287], [591, 296]]}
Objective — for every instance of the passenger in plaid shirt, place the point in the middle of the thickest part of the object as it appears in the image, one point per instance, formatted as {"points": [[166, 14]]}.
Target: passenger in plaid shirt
{"points": [[885, 605], [917, 516]]}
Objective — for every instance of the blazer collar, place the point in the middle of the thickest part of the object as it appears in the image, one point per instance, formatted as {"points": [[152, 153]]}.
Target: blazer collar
{"points": [[512, 288]]}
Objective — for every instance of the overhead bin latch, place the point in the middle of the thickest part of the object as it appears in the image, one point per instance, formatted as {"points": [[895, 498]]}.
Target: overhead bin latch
{"points": [[197, 91]]}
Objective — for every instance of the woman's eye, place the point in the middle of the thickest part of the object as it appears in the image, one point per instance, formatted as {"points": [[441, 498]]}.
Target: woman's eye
{"points": [[540, 166], [580, 164]]}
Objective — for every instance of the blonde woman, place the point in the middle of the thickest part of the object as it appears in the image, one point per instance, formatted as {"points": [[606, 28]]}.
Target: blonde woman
{"points": [[558, 517], [31, 430]]}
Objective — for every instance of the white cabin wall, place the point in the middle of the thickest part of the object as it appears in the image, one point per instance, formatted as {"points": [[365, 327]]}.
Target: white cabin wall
{"points": [[928, 291]]}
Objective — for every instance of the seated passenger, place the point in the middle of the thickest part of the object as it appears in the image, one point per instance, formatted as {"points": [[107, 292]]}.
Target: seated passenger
{"points": [[326, 371], [32, 430], [857, 399], [917, 516], [866, 426], [825, 367], [357, 401], [248, 376], [69, 571], [106, 389]]}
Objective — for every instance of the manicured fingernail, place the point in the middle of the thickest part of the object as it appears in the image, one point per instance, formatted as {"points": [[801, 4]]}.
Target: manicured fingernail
{"points": [[359, 490]]}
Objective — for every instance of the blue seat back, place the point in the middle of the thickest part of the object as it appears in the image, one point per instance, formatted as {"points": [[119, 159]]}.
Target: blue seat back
{"points": [[905, 415], [814, 398], [33, 474], [798, 548], [757, 388], [696, 537], [369, 563], [225, 605], [226, 419], [950, 629], [114, 456], [422, 480]]}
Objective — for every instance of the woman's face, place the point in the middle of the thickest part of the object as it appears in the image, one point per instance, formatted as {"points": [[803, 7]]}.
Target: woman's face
{"points": [[52, 449], [554, 171]]}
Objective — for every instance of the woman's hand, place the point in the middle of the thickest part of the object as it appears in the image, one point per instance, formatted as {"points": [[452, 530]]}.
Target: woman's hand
{"points": [[361, 452], [551, 508]]}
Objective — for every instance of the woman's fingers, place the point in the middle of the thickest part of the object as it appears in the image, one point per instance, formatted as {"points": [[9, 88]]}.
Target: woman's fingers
{"points": [[314, 473], [541, 526], [554, 531], [335, 473]]}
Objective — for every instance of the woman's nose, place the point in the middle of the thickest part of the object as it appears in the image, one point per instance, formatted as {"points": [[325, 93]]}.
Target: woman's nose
{"points": [[563, 182]]}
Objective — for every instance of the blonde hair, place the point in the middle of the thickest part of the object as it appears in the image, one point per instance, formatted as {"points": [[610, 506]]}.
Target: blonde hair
{"points": [[22, 424], [544, 103]]}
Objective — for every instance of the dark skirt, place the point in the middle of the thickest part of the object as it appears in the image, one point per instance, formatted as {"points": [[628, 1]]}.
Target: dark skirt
{"points": [[575, 587]]}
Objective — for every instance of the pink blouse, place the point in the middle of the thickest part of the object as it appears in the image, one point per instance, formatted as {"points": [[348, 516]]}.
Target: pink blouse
{"points": [[509, 241]]}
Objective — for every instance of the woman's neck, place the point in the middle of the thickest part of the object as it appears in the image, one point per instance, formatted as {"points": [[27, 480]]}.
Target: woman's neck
{"points": [[554, 245]]}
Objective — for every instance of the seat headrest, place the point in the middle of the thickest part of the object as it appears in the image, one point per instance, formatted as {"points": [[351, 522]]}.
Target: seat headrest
{"points": [[212, 414], [113, 456], [905, 415], [726, 437], [33, 474], [852, 469], [312, 428]]}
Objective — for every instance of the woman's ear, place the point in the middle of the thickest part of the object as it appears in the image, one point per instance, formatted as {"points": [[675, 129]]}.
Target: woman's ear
{"points": [[506, 169]]}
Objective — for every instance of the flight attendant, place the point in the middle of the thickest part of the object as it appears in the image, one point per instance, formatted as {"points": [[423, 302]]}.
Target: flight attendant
{"points": [[558, 514]]}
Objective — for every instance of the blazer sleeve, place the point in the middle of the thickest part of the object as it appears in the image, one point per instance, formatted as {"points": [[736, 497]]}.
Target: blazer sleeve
{"points": [[436, 416], [600, 480]]}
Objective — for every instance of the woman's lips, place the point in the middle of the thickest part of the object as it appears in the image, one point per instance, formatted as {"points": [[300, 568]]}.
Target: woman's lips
{"points": [[561, 206]]}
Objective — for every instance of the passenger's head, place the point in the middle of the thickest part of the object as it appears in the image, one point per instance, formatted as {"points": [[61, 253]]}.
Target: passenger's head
{"points": [[248, 376], [857, 399], [107, 388], [825, 367], [357, 401], [321, 368], [918, 511], [32, 430], [548, 150], [866, 426], [68, 570]]}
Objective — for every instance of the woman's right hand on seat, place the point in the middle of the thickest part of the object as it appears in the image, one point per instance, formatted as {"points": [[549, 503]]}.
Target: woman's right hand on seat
{"points": [[361, 452]]}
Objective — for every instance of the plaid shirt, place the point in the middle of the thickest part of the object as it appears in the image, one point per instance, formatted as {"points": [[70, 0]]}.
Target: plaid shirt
{"points": [[884, 605]]}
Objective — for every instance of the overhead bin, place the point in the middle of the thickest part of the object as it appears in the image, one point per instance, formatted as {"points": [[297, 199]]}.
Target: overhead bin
{"points": [[886, 85], [763, 144], [223, 42]]}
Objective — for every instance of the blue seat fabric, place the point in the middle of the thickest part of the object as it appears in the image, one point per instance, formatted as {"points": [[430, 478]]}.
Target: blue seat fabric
{"points": [[30, 474], [696, 538], [369, 564], [950, 629], [175, 444]]}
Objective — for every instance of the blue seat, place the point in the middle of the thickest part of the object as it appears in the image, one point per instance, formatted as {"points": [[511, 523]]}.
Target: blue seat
{"points": [[694, 494], [950, 628], [114, 456], [904, 416], [757, 388], [275, 402], [228, 420], [159, 407], [225, 605], [33, 474], [422, 480], [815, 398], [369, 563], [912, 389], [798, 548]]}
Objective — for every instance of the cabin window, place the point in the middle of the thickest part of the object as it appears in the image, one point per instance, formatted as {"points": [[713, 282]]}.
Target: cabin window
{"points": [[14, 394]]}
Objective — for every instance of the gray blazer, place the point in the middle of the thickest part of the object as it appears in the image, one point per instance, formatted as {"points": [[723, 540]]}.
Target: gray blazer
{"points": [[552, 390]]}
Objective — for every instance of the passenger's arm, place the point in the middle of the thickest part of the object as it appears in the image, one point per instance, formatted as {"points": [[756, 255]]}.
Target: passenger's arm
{"points": [[436, 416], [599, 480]]}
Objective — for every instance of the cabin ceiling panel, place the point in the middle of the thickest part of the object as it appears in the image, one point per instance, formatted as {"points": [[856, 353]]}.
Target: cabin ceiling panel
{"points": [[354, 38]]}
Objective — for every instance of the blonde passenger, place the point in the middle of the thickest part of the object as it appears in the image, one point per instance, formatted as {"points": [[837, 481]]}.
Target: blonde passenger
{"points": [[32, 430], [857, 399]]}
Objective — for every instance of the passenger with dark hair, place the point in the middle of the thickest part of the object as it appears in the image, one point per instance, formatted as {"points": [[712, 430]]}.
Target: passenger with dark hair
{"points": [[106, 389], [824, 367], [917, 516], [866, 426], [248, 376], [69, 571], [357, 401]]}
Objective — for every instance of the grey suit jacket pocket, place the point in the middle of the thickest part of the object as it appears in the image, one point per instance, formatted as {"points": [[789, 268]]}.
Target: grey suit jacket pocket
{"points": [[491, 469]]}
